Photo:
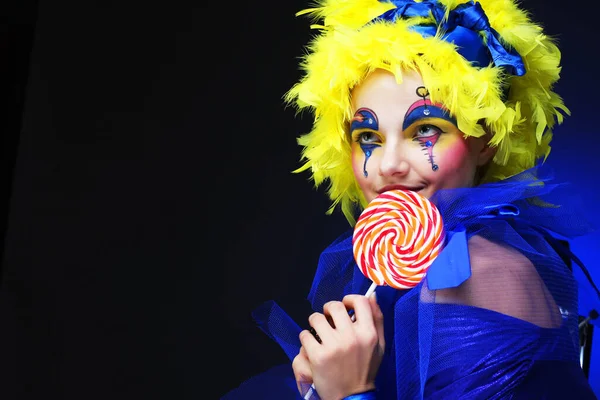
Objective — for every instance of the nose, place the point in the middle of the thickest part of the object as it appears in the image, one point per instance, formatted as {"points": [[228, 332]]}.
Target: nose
{"points": [[393, 162]]}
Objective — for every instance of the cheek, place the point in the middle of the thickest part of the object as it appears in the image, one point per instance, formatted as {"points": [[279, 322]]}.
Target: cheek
{"points": [[358, 160], [454, 154], [455, 161]]}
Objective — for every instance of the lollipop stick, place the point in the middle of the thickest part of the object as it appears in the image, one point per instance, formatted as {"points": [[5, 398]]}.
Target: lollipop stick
{"points": [[369, 292], [371, 289]]}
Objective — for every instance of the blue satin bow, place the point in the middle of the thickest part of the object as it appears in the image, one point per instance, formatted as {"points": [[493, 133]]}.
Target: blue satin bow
{"points": [[453, 266], [467, 27]]}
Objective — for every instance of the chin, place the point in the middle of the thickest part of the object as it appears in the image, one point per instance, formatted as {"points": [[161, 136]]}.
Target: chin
{"points": [[425, 193]]}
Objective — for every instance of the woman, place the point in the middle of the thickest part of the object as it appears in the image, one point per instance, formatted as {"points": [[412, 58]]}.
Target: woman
{"points": [[452, 100]]}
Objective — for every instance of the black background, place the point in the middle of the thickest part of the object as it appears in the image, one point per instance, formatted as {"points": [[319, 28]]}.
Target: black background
{"points": [[151, 205]]}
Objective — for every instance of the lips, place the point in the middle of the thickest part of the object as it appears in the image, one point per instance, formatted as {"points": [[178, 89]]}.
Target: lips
{"points": [[400, 187]]}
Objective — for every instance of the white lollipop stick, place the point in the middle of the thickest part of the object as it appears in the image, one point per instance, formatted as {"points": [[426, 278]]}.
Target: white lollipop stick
{"points": [[369, 292]]}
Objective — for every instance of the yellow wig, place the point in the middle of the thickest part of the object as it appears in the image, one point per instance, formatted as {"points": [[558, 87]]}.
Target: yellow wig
{"points": [[519, 111]]}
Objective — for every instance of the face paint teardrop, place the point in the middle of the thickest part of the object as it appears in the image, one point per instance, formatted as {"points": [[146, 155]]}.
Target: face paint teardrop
{"points": [[368, 150], [427, 143]]}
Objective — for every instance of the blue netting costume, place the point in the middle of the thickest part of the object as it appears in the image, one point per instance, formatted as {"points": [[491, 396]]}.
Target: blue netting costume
{"points": [[443, 350]]}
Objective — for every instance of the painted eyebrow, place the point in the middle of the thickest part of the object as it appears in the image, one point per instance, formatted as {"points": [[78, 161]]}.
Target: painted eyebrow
{"points": [[416, 112], [364, 118]]}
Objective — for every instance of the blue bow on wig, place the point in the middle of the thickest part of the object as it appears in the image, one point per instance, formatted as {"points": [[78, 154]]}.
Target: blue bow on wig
{"points": [[467, 27]]}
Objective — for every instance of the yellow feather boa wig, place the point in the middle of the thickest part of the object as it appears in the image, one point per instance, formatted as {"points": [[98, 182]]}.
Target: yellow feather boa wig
{"points": [[350, 44]]}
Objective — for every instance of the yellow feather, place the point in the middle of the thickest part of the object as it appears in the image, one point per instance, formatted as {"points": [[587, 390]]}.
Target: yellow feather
{"points": [[346, 50]]}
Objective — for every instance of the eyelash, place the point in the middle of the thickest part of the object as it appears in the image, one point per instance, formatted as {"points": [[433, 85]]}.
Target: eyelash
{"points": [[360, 137], [433, 127]]}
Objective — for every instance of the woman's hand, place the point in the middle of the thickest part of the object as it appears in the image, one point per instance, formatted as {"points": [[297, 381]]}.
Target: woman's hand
{"points": [[348, 357]]}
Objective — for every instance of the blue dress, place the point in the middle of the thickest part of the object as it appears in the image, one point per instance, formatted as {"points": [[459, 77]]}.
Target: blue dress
{"points": [[438, 348]]}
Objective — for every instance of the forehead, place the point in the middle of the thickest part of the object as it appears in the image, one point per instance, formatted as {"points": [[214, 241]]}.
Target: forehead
{"points": [[381, 87]]}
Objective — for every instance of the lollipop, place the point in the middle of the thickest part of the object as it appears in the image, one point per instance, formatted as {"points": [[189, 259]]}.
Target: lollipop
{"points": [[397, 237]]}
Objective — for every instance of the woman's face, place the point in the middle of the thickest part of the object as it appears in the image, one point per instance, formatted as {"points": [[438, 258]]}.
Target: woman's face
{"points": [[400, 140]]}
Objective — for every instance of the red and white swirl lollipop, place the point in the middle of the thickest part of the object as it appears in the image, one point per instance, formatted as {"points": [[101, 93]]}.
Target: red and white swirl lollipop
{"points": [[397, 237]]}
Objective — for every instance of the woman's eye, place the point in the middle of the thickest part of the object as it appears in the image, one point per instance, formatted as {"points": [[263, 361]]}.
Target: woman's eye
{"points": [[428, 130], [367, 137]]}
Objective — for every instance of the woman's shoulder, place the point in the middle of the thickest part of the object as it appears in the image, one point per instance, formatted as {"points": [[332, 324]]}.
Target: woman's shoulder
{"points": [[504, 280]]}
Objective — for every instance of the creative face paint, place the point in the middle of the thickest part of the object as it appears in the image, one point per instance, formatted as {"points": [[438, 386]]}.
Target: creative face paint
{"points": [[365, 120], [394, 126]]}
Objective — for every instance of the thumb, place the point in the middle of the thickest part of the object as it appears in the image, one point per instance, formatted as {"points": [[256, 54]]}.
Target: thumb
{"points": [[302, 371]]}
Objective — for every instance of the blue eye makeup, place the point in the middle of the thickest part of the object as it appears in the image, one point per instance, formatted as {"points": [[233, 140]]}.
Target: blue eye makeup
{"points": [[365, 118], [424, 108], [425, 113]]}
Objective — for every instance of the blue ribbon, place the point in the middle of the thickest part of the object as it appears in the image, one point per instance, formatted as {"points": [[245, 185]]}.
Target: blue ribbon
{"points": [[453, 266], [467, 27]]}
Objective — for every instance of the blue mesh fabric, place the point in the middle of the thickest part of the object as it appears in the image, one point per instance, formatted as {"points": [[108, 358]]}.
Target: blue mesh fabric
{"points": [[498, 335]]}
